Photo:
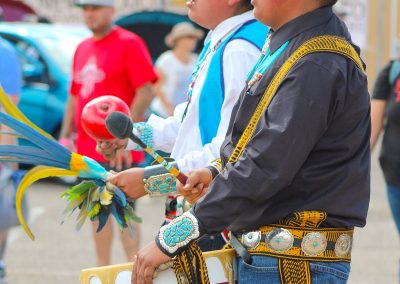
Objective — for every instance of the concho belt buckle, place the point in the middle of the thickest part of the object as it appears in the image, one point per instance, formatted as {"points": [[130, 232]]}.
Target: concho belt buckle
{"points": [[251, 240], [313, 244], [279, 240], [343, 245]]}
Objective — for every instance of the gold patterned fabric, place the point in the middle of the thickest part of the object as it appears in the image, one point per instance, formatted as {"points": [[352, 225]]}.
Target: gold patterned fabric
{"points": [[294, 271], [190, 265], [298, 271]]}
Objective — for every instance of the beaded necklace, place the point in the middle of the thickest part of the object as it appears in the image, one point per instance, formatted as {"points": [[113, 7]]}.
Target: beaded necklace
{"points": [[202, 62], [263, 63]]}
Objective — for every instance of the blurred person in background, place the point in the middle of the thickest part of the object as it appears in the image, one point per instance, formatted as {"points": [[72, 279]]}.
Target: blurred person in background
{"points": [[385, 115], [111, 62], [174, 68], [11, 82]]}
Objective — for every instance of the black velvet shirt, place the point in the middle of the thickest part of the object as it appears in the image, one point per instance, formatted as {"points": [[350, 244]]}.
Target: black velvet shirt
{"points": [[310, 149]]}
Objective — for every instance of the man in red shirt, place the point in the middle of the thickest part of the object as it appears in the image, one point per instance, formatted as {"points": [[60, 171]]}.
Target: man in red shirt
{"points": [[112, 62]]}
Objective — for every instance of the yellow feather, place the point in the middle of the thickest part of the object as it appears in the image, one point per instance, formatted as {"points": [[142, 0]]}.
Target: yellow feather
{"points": [[106, 197], [32, 176], [95, 210], [12, 110], [77, 163]]}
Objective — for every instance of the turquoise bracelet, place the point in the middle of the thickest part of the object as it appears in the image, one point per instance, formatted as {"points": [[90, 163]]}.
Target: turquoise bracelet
{"points": [[179, 233], [160, 185], [145, 134]]}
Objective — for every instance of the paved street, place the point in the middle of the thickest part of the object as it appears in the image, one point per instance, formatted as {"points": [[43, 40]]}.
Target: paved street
{"points": [[59, 252]]}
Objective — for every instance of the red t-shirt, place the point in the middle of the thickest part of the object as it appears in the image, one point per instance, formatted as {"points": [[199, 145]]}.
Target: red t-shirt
{"points": [[117, 65]]}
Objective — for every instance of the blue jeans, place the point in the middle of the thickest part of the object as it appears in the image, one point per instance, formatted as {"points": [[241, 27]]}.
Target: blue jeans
{"points": [[265, 270], [393, 193]]}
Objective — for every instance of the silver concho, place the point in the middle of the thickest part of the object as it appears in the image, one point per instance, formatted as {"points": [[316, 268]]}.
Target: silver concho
{"points": [[313, 244], [343, 245], [279, 240], [251, 239]]}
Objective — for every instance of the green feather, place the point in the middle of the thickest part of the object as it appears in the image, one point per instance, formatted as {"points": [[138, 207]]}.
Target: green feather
{"points": [[95, 196], [73, 204], [79, 189], [94, 211], [83, 214]]}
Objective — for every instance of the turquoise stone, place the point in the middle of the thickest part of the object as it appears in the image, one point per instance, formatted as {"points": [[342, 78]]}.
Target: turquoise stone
{"points": [[315, 244], [163, 187]]}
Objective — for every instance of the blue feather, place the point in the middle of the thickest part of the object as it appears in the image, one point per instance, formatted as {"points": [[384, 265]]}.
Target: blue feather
{"points": [[119, 196], [30, 155], [103, 217], [121, 222], [9, 133], [50, 146]]}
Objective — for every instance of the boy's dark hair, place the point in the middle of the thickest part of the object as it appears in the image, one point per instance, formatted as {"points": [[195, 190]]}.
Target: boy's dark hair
{"points": [[248, 3], [328, 2]]}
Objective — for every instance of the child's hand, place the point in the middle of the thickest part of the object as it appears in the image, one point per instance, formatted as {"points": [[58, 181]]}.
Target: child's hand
{"points": [[109, 148], [130, 182], [196, 185]]}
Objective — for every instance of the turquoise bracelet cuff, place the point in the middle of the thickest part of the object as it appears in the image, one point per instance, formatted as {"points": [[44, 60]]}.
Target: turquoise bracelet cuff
{"points": [[178, 234], [145, 133], [160, 185]]}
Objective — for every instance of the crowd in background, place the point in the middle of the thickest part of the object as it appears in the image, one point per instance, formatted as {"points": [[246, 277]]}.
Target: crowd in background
{"points": [[166, 81]]}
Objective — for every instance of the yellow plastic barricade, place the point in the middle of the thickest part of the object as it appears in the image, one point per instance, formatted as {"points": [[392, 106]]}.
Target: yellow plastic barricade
{"points": [[221, 266]]}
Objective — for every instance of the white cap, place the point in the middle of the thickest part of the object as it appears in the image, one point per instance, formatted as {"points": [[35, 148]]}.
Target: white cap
{"points": [[108, 3]]}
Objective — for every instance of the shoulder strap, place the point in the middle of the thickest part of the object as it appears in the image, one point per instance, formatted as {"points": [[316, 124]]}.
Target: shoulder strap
{"points": [[212, 95], [326, 43], [394, 71]]}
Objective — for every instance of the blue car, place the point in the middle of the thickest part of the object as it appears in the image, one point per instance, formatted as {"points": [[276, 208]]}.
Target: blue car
{"points": [[46, 53]]}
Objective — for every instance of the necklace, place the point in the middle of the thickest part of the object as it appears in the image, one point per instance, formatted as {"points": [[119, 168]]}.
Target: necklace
{"points": [[202, 62], [263, 63]]}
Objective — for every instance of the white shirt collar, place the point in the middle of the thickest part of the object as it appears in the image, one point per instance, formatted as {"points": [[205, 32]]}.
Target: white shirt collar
{"points": [[227, 25]]}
